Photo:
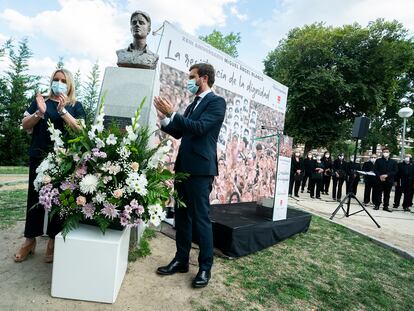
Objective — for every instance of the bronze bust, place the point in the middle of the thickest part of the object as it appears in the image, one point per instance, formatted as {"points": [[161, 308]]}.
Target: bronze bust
{"points": [[137, 55]]}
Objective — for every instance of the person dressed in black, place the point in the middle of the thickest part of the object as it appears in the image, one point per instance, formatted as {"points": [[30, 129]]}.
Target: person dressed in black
{"points": [[316, 181], [307, 166], [327, 163], [386, 169], [296, 173], [404, 183], [198, 128], [352, 177], [338, 176], [61, 108], [369, 181]]}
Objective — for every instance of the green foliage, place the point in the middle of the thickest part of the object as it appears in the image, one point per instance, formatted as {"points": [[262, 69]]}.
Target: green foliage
{"points": [[337, 73], [90, 93], [16, 87], [227, 44], [144, 248], [12, 207], [14, 170], [78, 88]]}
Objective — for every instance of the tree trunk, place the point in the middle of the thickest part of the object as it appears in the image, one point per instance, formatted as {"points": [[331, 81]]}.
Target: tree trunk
{"points": [[308, 147], [374, 148]]}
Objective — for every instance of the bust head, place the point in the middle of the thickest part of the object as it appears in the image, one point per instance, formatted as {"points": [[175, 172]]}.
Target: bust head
{"points": [[137, 54], [140, 24]]}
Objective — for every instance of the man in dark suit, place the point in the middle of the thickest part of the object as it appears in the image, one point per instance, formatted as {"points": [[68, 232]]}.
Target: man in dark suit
{"points": [[369, 180], [404, 183], [198, 129], [385, 169]]}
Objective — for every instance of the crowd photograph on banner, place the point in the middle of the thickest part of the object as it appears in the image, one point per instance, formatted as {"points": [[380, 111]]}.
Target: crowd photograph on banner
{"points": [[247, 157]]}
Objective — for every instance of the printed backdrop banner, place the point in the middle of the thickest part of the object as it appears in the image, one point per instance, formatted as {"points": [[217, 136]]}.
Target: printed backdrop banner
{"points": [[256, 106]]}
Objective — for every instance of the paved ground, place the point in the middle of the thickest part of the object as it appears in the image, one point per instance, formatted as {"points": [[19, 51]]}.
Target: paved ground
{"points": [[397, 228]]}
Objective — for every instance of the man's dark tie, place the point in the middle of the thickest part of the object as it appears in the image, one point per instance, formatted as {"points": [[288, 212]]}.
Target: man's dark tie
{"points": [[192, 106]]}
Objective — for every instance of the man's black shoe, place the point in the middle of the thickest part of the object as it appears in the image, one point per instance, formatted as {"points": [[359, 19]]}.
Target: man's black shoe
{"points": [[387, 210], [407, 209], [173, 267], [201, 279], [376, 207], [395, 206]]}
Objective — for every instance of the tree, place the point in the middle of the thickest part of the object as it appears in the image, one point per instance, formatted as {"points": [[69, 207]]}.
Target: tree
{"points": [[336, 74], [17, 87], [78, 88], [227, 44], [91, 93], [60, 64]]}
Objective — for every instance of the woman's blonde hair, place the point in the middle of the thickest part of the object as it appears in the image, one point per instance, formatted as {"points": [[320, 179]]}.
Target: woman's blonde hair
{"points": [[69, 83]]}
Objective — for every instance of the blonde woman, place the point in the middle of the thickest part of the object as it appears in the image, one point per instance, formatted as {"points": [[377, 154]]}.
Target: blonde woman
{"points": [[61, 108]]}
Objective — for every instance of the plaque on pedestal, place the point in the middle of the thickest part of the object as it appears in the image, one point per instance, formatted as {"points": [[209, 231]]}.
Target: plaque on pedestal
{"points": [[124, 89]]}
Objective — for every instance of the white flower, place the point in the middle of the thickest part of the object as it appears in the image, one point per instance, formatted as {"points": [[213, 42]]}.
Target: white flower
{"points": [[137, 183], [155, 220], [100, 118], [91, 134], [131, 134], [123, 152], [99, 127], [76, 157], [114, 169], [88, 184], [99, 197], [99, 143], [158, 157], [111, 140]]}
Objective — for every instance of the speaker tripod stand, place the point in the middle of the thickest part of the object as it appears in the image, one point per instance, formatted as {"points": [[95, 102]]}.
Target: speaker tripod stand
{"points": [[350, 195]]}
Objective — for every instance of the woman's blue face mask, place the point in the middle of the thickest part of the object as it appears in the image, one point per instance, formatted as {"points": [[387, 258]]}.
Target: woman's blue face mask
{"points": [[59, 88]]}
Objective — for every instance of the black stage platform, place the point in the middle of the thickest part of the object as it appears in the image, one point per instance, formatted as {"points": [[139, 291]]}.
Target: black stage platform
{"points": [[238, 230]]}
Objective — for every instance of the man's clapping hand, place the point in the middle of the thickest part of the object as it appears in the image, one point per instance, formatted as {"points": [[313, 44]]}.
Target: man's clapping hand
{"points": [[164, 106]]}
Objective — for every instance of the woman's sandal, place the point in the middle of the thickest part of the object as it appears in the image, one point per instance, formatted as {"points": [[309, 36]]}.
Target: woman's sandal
{"points": [[49, 251], [25, 251]]}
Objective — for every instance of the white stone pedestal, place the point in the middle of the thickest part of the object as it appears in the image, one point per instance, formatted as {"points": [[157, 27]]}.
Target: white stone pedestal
{"points": [[89, 265]]}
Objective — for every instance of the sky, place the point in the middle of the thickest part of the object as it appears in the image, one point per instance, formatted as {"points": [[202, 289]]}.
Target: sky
{"points": [[87, 31]]}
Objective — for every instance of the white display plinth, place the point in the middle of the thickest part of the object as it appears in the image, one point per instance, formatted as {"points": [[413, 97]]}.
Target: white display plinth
{"points": [[90, 265]]}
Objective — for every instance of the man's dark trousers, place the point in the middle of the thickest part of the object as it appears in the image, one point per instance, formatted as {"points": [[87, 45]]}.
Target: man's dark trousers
{"points": [[197, 211]]}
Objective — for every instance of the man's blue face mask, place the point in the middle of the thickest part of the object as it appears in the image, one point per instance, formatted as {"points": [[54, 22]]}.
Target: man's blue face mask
{"points": [[192, 87], [59, 88]]}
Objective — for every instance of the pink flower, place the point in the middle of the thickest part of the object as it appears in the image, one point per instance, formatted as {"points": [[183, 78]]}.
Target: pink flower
{"points": [[140, 210], [88, 210], [124, 221], [109, 210], [118, 193], [134, 204], [81, 200], [68, 185], [80, 172], [46, 179], [135, 166]]}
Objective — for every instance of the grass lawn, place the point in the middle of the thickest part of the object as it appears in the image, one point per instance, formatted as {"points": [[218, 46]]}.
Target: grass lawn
{"points": [[328, 268], [14, 170], [12, 207]]}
